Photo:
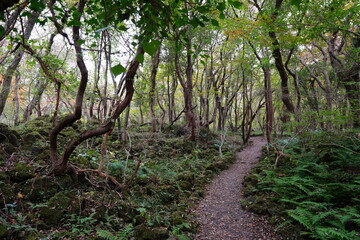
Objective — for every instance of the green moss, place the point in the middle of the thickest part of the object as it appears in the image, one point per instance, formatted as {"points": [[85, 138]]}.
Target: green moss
{"points": [[9, 148], [31, 137], [7, 191], [40, 188], [3, 231], [13, 140], [4, 176], [21, 172], [142, 232], [177, 218], [54, 211]]}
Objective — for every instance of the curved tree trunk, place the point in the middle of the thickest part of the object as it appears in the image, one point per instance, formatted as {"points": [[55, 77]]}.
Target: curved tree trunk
{"points": [[61, 166]]}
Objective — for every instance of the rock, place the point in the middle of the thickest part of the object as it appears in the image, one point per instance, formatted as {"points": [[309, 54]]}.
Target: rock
{"points": [[142, 232], [21, 172], [3, 231], [65, 182], [128, 211], [40, 188], [55, 209], [7, 192], [13, 140], [9, 148], [4, 132], [4, 177], [100, 213], [30, 137]]}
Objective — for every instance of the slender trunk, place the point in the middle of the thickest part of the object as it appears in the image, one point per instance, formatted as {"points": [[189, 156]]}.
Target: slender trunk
{"points": [[269, 122], [10, 71], [16, 99], [40, 87], [152, 93]]}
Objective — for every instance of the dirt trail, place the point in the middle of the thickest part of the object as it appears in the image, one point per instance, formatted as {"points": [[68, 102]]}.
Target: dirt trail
{"points": [[220, 215]]}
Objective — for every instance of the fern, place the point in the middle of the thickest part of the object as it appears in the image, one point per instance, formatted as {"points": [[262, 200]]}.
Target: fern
{"points": [[302, 216], [335, 234], [106, 235]]}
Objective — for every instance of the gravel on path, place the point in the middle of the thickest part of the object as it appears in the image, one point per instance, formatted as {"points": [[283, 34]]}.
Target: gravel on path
{"points": [[219, 214]]}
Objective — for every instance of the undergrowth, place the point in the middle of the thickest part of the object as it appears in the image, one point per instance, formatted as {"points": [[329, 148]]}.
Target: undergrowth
{"points": [[310, 185], [171, 175]]}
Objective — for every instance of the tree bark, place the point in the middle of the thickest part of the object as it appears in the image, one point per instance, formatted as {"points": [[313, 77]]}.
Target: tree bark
{"points": [[62, 166], [187, 88], [10, 71], [152, 93]]}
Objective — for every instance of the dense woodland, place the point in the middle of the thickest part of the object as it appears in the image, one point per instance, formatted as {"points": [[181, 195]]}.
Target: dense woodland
{"points": [[123, 110]]}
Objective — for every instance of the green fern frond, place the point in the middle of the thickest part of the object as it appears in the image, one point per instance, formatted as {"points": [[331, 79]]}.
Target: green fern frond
{"points": [[106, 235], [302, 216], [335, 233], [321, 216]]}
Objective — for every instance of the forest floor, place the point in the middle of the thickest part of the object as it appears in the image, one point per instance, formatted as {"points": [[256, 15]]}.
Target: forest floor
{"points": [[220, 215]]}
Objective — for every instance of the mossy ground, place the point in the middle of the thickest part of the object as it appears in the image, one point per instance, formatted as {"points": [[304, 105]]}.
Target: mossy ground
{"points": [[154, 205]]}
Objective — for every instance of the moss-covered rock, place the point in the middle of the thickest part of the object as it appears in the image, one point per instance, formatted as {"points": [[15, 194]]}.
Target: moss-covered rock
{"points": [[9, 148], [128, 211], [33, 236], [5, 131], [55, 209], [13, 139], [7, 192], [29, 138], [21, 172], [142, 232], [65, 182], [40, 188], [3, 231], [4, 177]]}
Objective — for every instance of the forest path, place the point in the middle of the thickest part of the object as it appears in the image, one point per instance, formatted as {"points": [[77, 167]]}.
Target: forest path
{"points": [[220, 215]]}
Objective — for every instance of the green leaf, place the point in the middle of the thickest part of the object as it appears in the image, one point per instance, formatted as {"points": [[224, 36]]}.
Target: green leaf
{"points": [[151, 47], [295, 3], [222, 16], [214, 23], [140, 58], [80, 41], [236, 4], [221, 6], [117, 70], [36, 5], [1, 30], [183, 237]]}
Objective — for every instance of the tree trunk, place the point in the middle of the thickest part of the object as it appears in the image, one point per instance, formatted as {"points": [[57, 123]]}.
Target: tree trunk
{"points": [[187, 88], [269, 121], [152, 93], [10, 71], [16, 99]]}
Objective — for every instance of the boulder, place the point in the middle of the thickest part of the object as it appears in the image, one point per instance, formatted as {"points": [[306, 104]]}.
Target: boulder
{"points": [[40, 189], [54, 211], [21, 172], [142, 232]]}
